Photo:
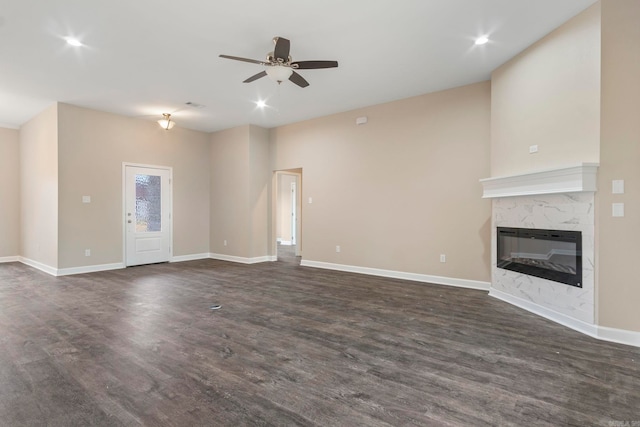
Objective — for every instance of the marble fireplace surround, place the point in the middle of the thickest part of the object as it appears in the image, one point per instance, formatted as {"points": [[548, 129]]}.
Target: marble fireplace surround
{"points": [[557, 199]]}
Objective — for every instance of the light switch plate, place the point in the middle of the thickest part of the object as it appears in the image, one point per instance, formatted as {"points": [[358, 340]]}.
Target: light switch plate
{"points": [[617, 186], [617, 209]]}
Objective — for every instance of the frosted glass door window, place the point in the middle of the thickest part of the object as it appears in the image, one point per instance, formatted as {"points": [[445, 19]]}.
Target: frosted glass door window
{"points": [[148, 203]]}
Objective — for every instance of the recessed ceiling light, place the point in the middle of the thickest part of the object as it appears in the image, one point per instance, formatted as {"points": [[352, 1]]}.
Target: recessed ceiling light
{"points": [[482, 40], [261, 104], [73, 42]]}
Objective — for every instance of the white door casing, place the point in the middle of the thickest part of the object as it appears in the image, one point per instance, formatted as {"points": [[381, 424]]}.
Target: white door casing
{"points": [[294, 218], [147, 214]]}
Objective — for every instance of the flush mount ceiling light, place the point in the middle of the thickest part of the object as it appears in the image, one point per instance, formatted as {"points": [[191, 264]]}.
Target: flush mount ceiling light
{"points": [[261, 104], [166, 123], [482, 40]]}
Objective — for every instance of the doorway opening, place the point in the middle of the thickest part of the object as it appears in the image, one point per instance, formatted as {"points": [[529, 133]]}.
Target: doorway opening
{"points": [[287, 215]]}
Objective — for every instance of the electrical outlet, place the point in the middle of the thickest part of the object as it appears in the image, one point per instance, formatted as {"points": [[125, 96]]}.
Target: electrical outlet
{"points": [[225, 243], [337, 248], [443, 258], [87, 252], [533, 149]]}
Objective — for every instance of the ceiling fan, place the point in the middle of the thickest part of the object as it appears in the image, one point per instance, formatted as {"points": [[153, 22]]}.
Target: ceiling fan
{"points": [[279, 65]]}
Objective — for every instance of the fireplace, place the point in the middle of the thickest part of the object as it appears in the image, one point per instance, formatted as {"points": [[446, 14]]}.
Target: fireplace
{"points": [[549, 254]]}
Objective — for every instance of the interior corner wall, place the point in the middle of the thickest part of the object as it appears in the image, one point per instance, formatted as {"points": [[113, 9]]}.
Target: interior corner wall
{"points": [[259, 191], [9, 193], [92, 148], [230, 188], [402, 189], [549, 96], [39, 189], [618, 291], [240, 193]]}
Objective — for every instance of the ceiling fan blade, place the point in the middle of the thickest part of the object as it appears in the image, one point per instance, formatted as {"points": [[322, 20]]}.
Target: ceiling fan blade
{"points": [[310, 65], [298, 79], [281, 50], [255, 77], [237, 58]]}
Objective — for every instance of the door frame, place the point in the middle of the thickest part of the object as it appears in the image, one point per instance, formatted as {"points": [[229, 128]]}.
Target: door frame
{"points": [[294, 212], [124, 206], [274, 210]]}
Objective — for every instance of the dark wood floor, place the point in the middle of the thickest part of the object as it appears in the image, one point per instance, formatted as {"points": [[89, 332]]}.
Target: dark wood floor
{"points": [[292, 346]]}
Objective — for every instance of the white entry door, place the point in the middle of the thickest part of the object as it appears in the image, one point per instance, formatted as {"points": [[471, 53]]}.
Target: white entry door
{"points": [[147, 215]]}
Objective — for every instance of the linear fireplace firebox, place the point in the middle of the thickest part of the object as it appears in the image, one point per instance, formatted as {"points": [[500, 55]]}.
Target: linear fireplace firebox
{"points": [[550, 254]]}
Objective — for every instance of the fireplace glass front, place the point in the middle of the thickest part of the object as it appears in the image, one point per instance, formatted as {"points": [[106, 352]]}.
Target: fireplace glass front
{"points": [[550, 254]]}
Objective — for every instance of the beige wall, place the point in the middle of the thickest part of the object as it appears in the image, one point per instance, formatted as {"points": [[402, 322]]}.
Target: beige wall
{"points": [[549, 95], [240, 192], [9, 193], [92, 148], [230, 181], [39, 188], [618, 290], [402, 189], [259, 190]]}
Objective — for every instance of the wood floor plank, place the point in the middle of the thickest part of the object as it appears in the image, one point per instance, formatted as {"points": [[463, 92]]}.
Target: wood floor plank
{"points": [[292, 346]]}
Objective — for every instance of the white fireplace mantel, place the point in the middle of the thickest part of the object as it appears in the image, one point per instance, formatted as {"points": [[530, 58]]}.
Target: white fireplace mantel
{"points": [[562, 180]]}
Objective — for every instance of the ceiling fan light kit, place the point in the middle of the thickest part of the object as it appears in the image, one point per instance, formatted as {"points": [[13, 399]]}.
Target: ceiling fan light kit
{"points": [[166, 123], [279, 66], [279, 73]]}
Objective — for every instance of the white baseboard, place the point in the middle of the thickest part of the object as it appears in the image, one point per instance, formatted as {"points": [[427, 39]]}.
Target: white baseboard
{"points": [[89, 269], [9, 259], [425, 278], [285, 242], [69, 271], [621, 336], [116, 266], [563, 319], [192, 257], [243, 260], [38, 265], [604, 333]]}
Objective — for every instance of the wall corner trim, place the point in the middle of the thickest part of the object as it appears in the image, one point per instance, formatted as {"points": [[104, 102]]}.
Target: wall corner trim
{"points": [[603, 333], [423, 278]]}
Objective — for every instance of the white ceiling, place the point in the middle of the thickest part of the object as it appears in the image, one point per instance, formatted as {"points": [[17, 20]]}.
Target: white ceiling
{"points": [[146, 57]]}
